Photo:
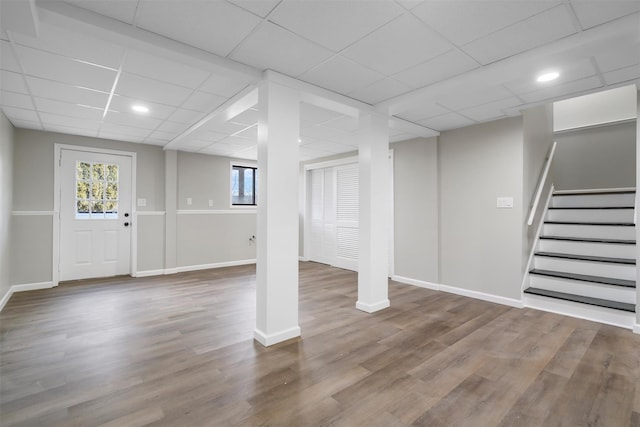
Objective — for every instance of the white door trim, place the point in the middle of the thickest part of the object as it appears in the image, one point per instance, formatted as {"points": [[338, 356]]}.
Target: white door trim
{"points": [[57, 150]]}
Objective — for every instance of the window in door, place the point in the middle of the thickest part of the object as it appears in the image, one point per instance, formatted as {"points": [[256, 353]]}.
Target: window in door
{"points": [[96, 190]]}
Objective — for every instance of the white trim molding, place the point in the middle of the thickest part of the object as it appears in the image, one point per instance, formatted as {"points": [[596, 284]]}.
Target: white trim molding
{"points": [[151, 213], [33, 213], [22, 288], [271, 339], [460, 291], [247, 210], [636, 328], [372, 308], [184, 269]]}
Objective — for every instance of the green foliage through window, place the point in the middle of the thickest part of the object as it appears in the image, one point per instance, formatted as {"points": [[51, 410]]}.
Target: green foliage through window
{"points": [[96, 190]]}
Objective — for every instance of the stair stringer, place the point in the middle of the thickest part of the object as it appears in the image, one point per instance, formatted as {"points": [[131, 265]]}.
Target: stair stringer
{"points": [[534, 247]]}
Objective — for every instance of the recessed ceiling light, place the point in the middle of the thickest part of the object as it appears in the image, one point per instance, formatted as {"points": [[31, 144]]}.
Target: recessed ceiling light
{"points": [[547, 77], [140, 108]]}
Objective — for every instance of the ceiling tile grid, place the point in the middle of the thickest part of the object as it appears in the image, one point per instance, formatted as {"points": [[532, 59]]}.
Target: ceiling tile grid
{"points": [[442, 64]]}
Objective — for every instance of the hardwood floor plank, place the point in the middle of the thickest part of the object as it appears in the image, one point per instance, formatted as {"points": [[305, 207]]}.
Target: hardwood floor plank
{"points": [[178, 351]]}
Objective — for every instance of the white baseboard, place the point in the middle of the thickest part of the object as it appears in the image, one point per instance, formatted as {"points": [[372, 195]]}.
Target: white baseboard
{"points": [[303, 259], [415, 282], [460, 291], [184, 269], [372, 308], [21, 288], [271, 339], [636, 328]]}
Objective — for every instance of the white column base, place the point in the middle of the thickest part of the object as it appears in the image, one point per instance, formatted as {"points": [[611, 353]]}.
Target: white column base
{"points": [[267, 340], [636, 328], [372, 308]]}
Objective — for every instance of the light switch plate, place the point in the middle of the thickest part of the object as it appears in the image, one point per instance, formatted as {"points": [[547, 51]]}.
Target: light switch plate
{"points": [[189, 201], [504, 202], [142, 202]]}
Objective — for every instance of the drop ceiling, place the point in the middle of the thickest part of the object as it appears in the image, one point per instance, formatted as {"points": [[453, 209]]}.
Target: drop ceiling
{"points": [[431, 65]]}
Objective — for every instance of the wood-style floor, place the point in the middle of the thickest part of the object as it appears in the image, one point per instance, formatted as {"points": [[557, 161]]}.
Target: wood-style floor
{"points": [[178, 351]]}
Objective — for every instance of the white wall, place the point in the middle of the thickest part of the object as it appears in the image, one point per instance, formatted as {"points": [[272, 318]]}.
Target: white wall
{"points": [[480, 245], [597, 108], [600, 157], [415, 185], [6, 191]]}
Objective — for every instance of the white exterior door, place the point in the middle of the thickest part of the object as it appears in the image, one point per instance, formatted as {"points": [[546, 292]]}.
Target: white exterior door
{"points": [[95, 214]]}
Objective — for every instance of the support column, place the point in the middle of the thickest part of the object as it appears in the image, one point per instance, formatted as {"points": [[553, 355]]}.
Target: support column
{"points": [[277, 240], [375, 211]]}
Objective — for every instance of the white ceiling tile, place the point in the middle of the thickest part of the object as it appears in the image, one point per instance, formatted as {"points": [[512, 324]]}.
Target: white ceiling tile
{"points": [[446, 122], [442, 67], [341, 75], [72, 45], [226, 128], [223, 86], [334, 24], [272, 47], [13, 99], [552, 93], [122, 10], [8, 60], [250, 153], [250, 132], [247, 117], [410, 4], [259, 7], [622, 75], [219, 149], [569, 71], [238, 143], [72, 122], [400, 44], [50, 127], [119, 129], [164, 70], [26, 124], [492, 110], [145, 89], [546, 27], [472, 96], [133, 120], [214, 26], [464, 21], [592, 13], [344, 123], [618, 56], [66, 109], [424, 111], [311, 115], [346, 138], [61, 69], [203, 101], [20, 114], [154, 141], [174, 127], [380, 91], [12, 82], [67, 93], [120, 137], [308, 153], [182, 115], [214, 136], [124, 105], [194, 144], [321, 132], [163, 136], [329, 146]]}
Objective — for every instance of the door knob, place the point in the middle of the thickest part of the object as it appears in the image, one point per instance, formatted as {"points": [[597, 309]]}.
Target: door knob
{"points": [[126, 224]]}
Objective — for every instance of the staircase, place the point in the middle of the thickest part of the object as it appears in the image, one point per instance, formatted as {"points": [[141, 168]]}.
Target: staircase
{"points": [[585, 260]]}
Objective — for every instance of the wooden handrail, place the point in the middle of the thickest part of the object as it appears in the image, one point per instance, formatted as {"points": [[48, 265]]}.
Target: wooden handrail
{"points": [[541, 183]]}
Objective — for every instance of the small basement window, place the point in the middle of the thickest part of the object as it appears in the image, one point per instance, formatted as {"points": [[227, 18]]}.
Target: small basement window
{"points": [[243, 185]]}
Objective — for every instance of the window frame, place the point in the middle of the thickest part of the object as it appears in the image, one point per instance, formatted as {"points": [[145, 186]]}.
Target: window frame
{"points": [[246, 165]]}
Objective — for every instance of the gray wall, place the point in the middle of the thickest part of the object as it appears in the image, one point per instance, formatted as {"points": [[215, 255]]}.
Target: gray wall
{"points": [[415, 187], [480, 245], [208, 239], [6, 191], [600, 157]]}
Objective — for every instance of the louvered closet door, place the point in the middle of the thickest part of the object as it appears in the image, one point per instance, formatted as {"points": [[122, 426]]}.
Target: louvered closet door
{"points": [[322, 216], [347, 211]]}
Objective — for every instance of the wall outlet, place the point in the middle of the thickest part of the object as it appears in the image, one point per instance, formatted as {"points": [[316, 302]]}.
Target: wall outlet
{"points": [[189, 201], [142, 202], [210, 203]]}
